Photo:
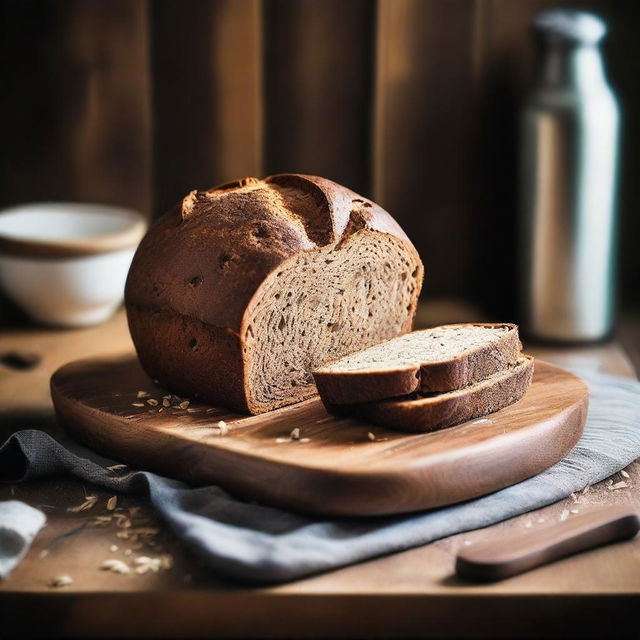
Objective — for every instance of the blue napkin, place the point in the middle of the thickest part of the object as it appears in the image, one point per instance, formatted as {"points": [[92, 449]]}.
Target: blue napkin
{"points": [[254, 543]]}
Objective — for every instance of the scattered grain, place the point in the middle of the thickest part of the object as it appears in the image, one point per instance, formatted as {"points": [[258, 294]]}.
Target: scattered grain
{"points": [[223, 427], [575, 511], [371, 436], [116, 467], [115, 566], [113, 548], [153, 402], [63, 580], [564, 515], [192, 410], [295, 434], [618, 485], [184, 405], [89, 503], [528, 524], [166, 402], [145, 564], [623, 473], [137, 404], [112, 503], [142, 394]]}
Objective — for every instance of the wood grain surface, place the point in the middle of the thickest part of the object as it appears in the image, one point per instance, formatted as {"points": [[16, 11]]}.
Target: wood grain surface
{"points": [[338, 466]]}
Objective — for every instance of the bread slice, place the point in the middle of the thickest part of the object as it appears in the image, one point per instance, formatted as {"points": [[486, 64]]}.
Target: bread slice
{"points": [[439, 359], [429, 412]]}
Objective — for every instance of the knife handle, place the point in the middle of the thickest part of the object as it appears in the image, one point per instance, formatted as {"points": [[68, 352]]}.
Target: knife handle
{"points": [[499, 559]]}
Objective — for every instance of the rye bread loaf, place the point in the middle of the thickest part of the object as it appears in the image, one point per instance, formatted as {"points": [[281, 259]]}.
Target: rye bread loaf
{"points": [[438, 359], [430, 412], [239, 292]]}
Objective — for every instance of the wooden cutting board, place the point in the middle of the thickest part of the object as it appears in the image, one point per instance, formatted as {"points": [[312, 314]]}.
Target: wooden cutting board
{"points": [[335, 468]]}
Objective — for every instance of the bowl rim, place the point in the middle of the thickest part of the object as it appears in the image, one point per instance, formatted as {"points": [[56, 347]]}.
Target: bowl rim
{"points": [[127, 238]]}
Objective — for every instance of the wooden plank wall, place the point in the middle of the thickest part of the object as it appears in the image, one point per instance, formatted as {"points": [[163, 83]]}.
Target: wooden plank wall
{"points": [[208, 94], [412, 102], [75, 107]]}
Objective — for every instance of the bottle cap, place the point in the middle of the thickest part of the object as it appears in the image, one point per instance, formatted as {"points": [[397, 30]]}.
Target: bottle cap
{"points": [[579, 27]]}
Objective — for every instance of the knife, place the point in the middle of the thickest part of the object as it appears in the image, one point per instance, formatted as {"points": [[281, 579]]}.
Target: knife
{"points": [[506, 557]]}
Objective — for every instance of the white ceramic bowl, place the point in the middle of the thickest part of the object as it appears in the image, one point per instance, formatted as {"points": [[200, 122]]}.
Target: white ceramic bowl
{"points": [[65, 263]]}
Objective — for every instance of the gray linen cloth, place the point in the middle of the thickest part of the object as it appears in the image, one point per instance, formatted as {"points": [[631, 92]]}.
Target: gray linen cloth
{"points": [[254, 543]]}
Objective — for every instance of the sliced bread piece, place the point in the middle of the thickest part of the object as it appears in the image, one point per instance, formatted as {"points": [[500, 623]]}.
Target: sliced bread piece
{"points": [[429, 412], [440, 359]]}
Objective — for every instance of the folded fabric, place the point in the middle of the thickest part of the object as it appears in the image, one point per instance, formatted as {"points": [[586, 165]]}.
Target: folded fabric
{"points": [[255, 543]]}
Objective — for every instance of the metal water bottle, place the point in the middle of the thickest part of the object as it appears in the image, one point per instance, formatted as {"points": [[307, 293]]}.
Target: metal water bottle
{"points": [[568, 168]]}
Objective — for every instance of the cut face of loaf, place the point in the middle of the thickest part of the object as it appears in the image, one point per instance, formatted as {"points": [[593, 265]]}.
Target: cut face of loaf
{"points": [[429, 412], [439, 359], [237, 294], [320, 305]]}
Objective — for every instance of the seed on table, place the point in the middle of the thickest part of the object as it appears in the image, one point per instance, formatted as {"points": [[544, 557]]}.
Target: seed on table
{"points": [[63, 580], [115, 566]]}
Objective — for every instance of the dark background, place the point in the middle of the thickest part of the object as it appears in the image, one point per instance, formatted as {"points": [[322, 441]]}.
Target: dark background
{"points": [[411, 102]]}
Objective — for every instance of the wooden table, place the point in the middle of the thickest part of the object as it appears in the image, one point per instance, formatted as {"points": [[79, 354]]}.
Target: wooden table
{"points": [[407, 594]]}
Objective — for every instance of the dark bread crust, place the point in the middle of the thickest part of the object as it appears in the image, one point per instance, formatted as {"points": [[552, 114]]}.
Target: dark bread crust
{"points": [[217, 363], [470, 367], [197, 275], [433, 412]]}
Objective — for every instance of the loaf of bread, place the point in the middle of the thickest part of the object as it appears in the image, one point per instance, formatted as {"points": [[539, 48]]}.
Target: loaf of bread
{"points": [[240, 292], [429, 412], [438, 359]]}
